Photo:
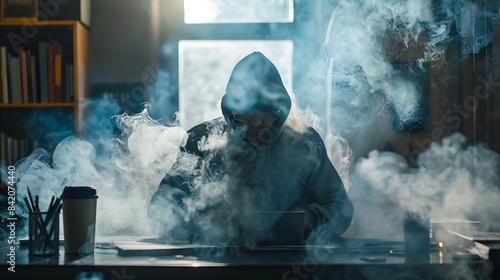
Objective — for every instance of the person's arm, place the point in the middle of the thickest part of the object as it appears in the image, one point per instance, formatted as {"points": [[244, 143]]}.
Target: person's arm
{"points": [[326, 202], [166, 211]]}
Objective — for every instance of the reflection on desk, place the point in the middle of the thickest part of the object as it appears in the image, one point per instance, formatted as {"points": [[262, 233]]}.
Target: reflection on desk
{"points": [[139, 257]]}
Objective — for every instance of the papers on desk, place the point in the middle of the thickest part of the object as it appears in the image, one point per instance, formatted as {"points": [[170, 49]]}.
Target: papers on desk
{"points": [[286, 248], [25, 241], [485, 237], [486, 245], [138, 248], [155, 247]]}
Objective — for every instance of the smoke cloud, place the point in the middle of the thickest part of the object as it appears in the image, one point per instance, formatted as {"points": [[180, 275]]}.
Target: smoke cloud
{"points": [[353, 85], [354, 88], [126, 169], [453, 181], [349, 91]]}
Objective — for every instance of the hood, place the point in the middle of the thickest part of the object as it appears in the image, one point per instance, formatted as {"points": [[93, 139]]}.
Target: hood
{"points": [[255, 84]]}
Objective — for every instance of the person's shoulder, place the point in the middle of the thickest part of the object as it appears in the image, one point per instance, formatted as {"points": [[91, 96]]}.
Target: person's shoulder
{"points": [[313, 133], [197, 132], [204, 128], [307, 133], [305, 140], [314, 138]]}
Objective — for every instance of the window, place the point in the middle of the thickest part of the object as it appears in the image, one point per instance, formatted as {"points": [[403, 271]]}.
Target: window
{"points": [[204, 65], [237, 11]]}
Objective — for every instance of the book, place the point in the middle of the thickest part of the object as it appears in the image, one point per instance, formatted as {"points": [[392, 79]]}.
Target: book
{"points": [[24, 75], [28, 76], [8, 147], [51, 71], [70, 95], [34, 84], [15, 79], [57, 73], [42, 66], [3, 144], [14, 150], [4, 74]]}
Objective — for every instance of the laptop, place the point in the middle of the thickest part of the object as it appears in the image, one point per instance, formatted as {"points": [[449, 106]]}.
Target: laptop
{"points": [[253, 231], [270, 228]]}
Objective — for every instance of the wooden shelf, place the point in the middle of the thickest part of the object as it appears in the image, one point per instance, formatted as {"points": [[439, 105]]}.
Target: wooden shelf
{"points": [[73, 37], [38, 105], [20, 22]]}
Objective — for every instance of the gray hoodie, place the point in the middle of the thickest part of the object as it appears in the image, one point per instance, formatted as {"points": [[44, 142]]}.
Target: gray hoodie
{"points": [[236, 167]]}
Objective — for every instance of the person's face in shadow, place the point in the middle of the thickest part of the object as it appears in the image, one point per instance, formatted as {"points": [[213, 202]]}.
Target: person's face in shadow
{"points": [[260, 125]]}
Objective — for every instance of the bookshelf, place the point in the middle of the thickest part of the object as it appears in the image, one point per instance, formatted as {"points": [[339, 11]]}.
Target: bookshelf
{"points": [[43, 84]]}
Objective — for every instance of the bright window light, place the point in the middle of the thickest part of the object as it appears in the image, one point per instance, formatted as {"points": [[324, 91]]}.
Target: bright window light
{"points": [[205, 67], [237, 11]]}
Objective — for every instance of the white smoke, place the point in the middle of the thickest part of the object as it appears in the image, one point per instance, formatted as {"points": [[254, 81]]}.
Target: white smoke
{"points": [[353, 87], [126, 171], [352, 83], [453, 181]]}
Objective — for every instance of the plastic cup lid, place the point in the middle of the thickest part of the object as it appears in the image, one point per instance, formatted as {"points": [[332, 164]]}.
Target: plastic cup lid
{"points": [[79, 192]]}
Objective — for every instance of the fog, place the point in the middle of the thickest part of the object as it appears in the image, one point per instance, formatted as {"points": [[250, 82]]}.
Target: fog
{"points": [[359, 96], [453, 181], [349, 91], [125, 170]]}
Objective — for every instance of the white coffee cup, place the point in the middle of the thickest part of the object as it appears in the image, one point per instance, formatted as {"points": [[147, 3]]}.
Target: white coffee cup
{"points": [[79, 205]]}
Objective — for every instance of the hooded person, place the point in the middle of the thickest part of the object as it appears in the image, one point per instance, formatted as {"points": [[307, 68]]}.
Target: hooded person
{"points": [[251, 159]]}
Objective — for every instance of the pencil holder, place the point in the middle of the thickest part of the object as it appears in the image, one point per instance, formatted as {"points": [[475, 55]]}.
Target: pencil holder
{"points": [[44, 234], [417, 239]]}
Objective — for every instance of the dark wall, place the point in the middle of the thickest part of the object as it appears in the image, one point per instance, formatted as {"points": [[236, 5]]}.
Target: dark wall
{"points": [[120, 44]]}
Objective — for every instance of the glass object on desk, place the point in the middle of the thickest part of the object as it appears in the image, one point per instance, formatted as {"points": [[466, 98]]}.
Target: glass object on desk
{"points": [[417, 239], [44, 234]]}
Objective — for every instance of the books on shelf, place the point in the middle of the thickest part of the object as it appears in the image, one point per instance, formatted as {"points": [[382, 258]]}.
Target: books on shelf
{"points": [[39, 75], [25, 78], [14, 149]]}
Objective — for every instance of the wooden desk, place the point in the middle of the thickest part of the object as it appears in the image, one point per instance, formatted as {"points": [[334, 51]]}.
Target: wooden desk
{"points": [[350, 259]]}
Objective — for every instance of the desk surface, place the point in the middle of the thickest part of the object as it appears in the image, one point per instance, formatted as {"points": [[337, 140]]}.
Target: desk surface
{"points": [[350, 258]]}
